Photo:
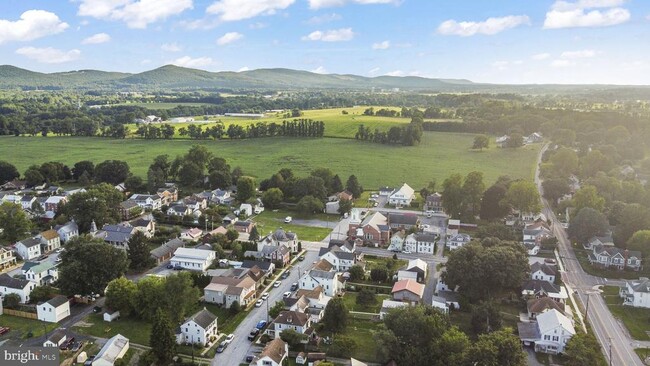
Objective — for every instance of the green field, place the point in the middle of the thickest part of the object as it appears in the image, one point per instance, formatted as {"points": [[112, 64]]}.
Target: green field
{"points": [[439, 155], [635, 319]]}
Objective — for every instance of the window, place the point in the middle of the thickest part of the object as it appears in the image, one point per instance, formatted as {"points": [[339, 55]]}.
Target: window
{"points": [[556, 338]]}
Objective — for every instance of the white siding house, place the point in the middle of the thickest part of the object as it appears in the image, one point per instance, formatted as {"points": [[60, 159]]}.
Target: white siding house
{"points": [[200, 328], [193, 259], [54, 310], [402, 197], [636, 293]]}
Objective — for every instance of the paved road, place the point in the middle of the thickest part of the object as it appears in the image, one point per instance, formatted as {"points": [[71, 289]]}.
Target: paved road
{"points": [[610, 333], [241, 346]]}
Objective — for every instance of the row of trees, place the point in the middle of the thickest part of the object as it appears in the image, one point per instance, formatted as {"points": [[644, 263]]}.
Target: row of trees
{"points": [[409, 135]]}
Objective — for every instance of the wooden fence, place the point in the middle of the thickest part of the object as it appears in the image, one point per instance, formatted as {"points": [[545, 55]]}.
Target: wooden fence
{"points": [[22, 314]]}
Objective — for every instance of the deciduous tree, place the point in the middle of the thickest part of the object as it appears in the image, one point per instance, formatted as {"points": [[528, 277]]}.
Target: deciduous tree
{"points": [[523, 196], [8, 172], [245, 188], [13, 221], [335, 318], [586, 224], [138, 252], [162, 338], [120, 295], [481, 142]]}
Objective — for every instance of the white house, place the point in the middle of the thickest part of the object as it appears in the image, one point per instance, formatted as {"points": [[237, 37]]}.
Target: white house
{"points": [[420, 243], [226, 290], [273, 354], [54, 310], [200, 328], [29, 249], [114, 349], [458, 240], [397, 241], [340, 260], [416, 270], [636, 293], [110, 315], [295, 320], [246, 209], [278, 238], [329, 282], [56, 339], [542, 271], [10, 285], [146, 201], [193, 259], [43, 273], [386, 305], [7, 258], [549, 334], [68, 231], [403, 196]]}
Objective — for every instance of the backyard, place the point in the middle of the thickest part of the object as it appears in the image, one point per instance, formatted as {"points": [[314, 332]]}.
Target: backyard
{"points": [[635, 319], [21, 327], [308, 227]]}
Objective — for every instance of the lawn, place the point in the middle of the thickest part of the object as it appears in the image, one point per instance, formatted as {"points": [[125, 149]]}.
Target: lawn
{"points": [[363, 332], [350, 300], [137, 331], [21, 326], [268, 221], [437, 157], [635, 319]]}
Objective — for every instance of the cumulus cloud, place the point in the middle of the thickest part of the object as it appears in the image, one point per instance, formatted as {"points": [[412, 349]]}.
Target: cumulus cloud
{"points": [[97, 39], [318, 4], [187, 61], [171, 47], [586, 13], [229, 37], [541, 56], [32, 24], [325, 18], [233, 10], [334, 35], [49, 55], [135, 13], [488, 27], [572, 55], [381, 45]]}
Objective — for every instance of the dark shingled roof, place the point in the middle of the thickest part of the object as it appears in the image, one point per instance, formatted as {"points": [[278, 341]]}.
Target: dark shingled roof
{"points": [[10, 282], [203, 318], [545, 268], [57, 301], [56, 336], [543, 303], [275, 350], [292, 318]]}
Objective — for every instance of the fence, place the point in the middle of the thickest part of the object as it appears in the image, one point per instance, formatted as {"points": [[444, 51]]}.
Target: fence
{"points": [[18, 313]]}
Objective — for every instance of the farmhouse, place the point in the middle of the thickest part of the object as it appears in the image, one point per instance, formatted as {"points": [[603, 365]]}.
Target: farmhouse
{"points": [[29, 249], [458, 241], [420, 243], [549, 334], [542, 271]]}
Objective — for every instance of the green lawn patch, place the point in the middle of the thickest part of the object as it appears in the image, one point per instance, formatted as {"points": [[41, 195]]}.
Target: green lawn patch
{"points": [[582, 255], [136, 330], [643, 353], [350, 300], [635, 319], [269, 221], [363, 332], [20, 327]]}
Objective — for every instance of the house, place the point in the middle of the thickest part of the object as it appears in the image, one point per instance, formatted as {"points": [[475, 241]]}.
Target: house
{"points": [[230, 219], [255, 273], [400, 221], [397, 241], [267, 267], [244, 226], [56, 339], [10, 285], [149, 202], [355, 362], [146, 225], [274, 354], [453, 225], [298, 321], [340, 260], [220, 197], [114, 349], [54, 310], [110, 315], [7, 258], [542, 271], [416, 269], [14, 185], [433, 202], [373, 229], [502, 141], [29, 249], [26, 202], [68, 231], [330, 282], [402, 197], [50, 241], [344, 245], [532, 248], [420, 243], [130, 209], [53, 203], [227, 290], [457, 241], [115, 235], [43, 273], [332, 207], [165, 251], [280, 237], [386, 191], [408, 291], [440, 303], [386, 305], [246, 209], [196, 202], [549, 334], [605, 240], [614, 257], [167, 195], [193, 259], [536, 232], [538, 288], [200, 328], [533, 138], [316, 298], [542, 304], [275, 254], [636, 293], [193, 234], [323, 265], [179, 210]]}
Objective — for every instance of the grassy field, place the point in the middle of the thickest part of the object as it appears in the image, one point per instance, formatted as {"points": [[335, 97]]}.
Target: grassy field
{"points": [[20, 327], [268, 221], [438, 156], [635, 319], [350, 300], [137, 331], [363, 332]]}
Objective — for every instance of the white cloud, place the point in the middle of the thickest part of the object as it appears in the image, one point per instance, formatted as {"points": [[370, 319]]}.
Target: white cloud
{"points": [[381, 45], [245, 68], [572, 55], [229, 37], [233, 10], [319, 70], [489, 27], [562, 63], [258, 25], [187, 61], [325, 18], [97, 39], [49, 55], [171, 47], [395, 73], [32, 24], [584, 13], [541, 56], [334, 35], [374, 71], [318, 4], [135, 13]]}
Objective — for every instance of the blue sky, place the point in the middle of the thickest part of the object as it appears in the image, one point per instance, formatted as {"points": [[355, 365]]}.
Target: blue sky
{"points": [[497, 41]]}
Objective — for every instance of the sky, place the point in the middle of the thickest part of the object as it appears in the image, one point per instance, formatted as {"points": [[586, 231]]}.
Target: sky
{"points": [[495, 41]]}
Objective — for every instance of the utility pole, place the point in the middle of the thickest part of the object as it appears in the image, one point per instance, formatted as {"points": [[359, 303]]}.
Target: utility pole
{"points": [[587, 310], [610, 351]]}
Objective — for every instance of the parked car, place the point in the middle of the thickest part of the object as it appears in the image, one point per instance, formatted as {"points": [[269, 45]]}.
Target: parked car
{"points": [[406, 251], [170, 266], [265, 296], [178, 267], [222, 347], [253, 334], [250, 358], [286, 294], [42, 258], [301, 258], [261, 324], [229, 338], [288, 219], [259, 303], [294, 286], [285, 275], [97, 309], [58, 260], [4, 330], [395, 250], [277, 284], [76, 346]]}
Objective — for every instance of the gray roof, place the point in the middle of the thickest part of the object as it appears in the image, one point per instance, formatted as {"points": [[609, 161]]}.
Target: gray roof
{"points": [[31, 242], [178, 208], [322, 274], [537, 266], [402, 219], [57, 336], [57, 301], [642, 286], [340, 244], [528, 331], [117, 233], [10, 282], [243, 223], [427, 238], [282, 235], [67, 228], [538, 285], [292, 318], [612, 251], [265, 266], [203, 318]]}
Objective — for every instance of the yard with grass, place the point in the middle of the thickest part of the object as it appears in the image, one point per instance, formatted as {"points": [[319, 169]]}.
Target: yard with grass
{"points": [[20, 327], [582, 255], [635, 319], [136, 330], [307, 227], [350, 300], [363, 332], [438, 156]]}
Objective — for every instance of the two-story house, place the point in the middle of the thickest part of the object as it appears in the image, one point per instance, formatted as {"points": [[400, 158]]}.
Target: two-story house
{"points": [[294, 320], [130, 209], [193, 259], [274, 253], [50, 241], [330, 282], [457, 241], [29, 249], [68, 231], [7, 258], [613, 257], [340, 260], [150, 202], [227, 290], [43, 273], [179, 210], [274, 354], [54, 310], [115, 235], [200, 328], [168, 194], [280, 237], [542, 271], [10, 285], [373, 229], [408, 291], [636, 293], [402, 197], [433, 202], [549, 334], [402, 221], [539, 288], [420, 243]]}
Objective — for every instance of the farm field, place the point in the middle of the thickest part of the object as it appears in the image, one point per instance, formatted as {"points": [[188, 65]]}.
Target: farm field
{"points": [[158, 105], [337, 124], [438, 156]]}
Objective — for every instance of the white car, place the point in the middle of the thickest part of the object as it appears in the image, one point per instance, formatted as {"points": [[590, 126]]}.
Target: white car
{"points": [[259, 303], [229, 338], [277, 284], [265, 296], [288, 219], [286, 294]]}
